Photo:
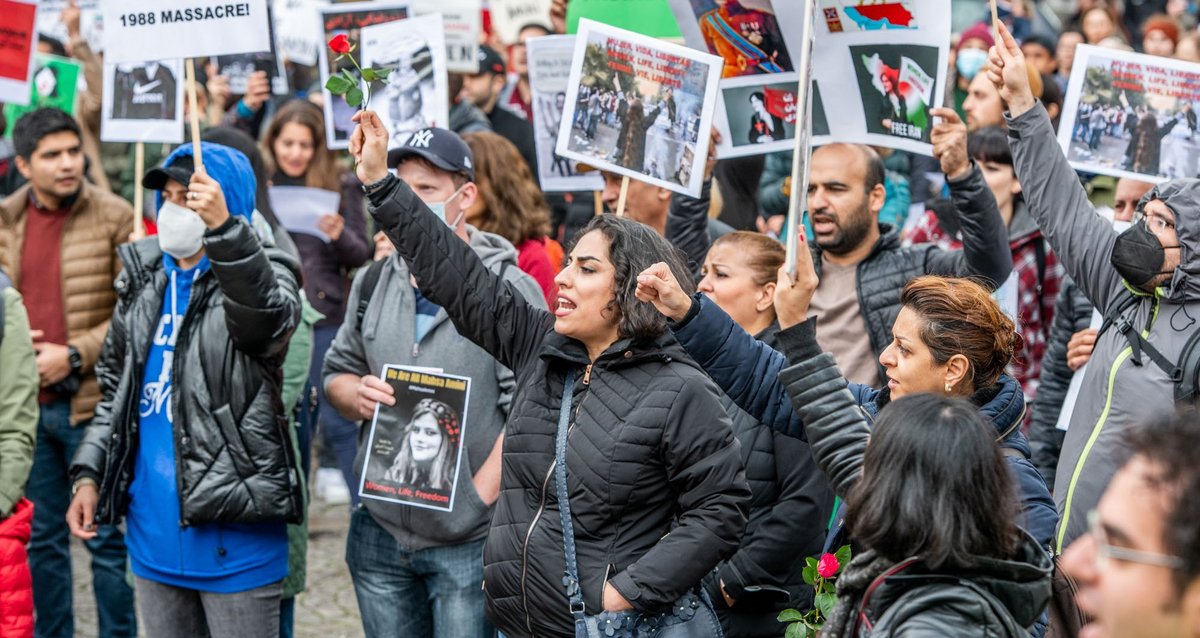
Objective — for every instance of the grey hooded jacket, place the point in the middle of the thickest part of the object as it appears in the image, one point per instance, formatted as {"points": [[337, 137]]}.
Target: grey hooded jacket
{"points": [[388, 336], [1117, 393]]}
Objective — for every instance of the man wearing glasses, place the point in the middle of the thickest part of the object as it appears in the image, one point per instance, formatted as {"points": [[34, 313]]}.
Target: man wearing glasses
{"points": [[1138, 568]]}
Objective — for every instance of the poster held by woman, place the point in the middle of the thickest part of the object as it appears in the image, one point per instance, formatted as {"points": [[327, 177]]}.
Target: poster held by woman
{"points": [[414, 447]]}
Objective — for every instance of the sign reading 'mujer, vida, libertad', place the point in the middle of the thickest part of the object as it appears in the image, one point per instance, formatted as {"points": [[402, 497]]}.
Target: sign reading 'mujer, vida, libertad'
{"points": [[141, 30]]}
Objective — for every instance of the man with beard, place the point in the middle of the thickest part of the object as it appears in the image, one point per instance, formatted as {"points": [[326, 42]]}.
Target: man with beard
{"points": [[861, 263]]}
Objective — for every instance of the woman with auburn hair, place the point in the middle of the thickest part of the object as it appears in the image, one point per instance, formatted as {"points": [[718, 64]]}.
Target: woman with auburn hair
{"points": [[511, 205], [791, 499], [950, 338], [294, 148]]}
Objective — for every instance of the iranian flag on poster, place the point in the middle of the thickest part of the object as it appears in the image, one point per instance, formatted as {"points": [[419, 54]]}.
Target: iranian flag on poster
{"points": [[781, 103], [917, 87]]}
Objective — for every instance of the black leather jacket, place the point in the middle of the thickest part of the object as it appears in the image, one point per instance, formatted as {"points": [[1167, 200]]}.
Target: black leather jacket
{"points": [[234, 462]]}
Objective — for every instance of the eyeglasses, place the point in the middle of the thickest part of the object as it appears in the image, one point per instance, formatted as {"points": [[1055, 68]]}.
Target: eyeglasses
{"points": [[1155, 223], [1104, 550]]}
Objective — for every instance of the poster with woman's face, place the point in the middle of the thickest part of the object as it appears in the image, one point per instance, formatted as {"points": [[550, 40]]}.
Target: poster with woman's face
{"points": [[415, 446]]}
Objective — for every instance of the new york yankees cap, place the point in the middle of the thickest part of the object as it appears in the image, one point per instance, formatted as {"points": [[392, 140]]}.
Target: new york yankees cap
{"points": [[438, 146]]}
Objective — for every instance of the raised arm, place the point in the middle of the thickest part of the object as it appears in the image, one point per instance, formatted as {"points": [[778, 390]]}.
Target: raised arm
{"points": [[484, 309], [1081, 239]]}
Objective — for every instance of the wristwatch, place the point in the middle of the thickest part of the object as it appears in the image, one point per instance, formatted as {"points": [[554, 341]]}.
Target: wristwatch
{"points": [[75, 359]]}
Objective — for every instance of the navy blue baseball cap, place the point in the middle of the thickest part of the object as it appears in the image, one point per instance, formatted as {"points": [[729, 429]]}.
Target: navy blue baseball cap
{"points": [[438, 146]]}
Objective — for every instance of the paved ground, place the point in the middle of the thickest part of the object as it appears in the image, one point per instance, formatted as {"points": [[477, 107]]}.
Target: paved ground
{"points": [[326, 610]]}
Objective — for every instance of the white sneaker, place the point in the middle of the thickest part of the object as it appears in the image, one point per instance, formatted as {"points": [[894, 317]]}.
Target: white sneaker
{"points": [[331, 486]]}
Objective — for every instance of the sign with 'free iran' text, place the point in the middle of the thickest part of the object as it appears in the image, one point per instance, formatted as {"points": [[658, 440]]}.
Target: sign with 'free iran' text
{"points": [[142, 30]]}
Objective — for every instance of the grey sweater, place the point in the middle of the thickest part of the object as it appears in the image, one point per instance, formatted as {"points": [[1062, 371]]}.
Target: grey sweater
{"points": [[388, 336]]}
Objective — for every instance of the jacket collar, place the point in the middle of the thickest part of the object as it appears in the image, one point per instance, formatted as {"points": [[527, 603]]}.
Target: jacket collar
{"points": [[18, 203], [621, 353]]}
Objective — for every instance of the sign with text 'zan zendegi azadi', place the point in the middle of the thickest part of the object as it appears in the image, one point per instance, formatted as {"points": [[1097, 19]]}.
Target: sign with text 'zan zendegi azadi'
{"points": [[141, 30]]}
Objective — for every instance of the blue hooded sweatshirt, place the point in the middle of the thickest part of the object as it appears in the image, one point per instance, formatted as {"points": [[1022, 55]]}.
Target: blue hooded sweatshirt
{"points": [[213, 557]]}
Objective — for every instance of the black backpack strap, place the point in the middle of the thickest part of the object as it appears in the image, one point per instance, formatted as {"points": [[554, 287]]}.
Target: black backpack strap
{"points": [[369, 283], [1115, 318]]}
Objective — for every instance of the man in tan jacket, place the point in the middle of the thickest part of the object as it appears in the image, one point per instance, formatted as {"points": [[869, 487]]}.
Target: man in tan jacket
{"points": [[58, 240]]}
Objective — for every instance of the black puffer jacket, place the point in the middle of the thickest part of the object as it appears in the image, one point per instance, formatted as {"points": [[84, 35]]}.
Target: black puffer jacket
{"points": [[233, 458], [789, 513], [882, 275], [658, 495], [994, 598], [1072, 313]]}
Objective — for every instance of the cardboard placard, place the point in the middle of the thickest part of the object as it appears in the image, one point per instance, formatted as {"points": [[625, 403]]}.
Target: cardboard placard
{"points": [[881, 67], [462, 21], [18, 42], [415, 94], [141, 30], [508, 16], [415, 447], [657, 130], [757, 110], [549, 71], [297, 25], [91, 25], [1131, 115], [647, 17], [348, 19], [55, 84], [143, 102]]}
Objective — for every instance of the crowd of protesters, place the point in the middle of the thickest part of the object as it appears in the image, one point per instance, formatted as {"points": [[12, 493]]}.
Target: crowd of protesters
{"points": [[979, 375]]}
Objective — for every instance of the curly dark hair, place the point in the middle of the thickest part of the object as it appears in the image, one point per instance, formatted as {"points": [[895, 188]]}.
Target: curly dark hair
{"points": [[632, 248], [1169, 445]]}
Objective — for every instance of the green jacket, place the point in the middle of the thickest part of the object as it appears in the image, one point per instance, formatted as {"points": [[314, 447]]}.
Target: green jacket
{"points": [[18, 401], [295, 375]]}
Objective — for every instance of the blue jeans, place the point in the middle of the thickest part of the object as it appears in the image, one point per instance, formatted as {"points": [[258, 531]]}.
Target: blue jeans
{"points": [[339, 434], [49, 549], [435, 592]]}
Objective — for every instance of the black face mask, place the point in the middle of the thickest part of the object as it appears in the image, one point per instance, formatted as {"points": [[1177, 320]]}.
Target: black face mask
{"points": [[1137, 255]]}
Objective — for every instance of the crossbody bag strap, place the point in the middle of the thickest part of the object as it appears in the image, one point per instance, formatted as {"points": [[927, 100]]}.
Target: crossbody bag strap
{"points": [[571, 577]]}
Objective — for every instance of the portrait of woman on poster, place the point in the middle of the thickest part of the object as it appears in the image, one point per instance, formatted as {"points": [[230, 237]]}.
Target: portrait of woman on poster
{"points": [[764, 125], [429, 449]]}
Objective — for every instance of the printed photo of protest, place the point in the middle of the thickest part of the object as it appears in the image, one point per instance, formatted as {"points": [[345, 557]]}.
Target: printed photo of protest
{"points": [[549, 69], [347, 19], [414, 94], [654, 107], [414, 447], [1131, 115], [744, 33], [897, 83]]}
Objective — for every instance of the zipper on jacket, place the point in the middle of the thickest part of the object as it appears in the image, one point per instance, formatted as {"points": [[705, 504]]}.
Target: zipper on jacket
{"points": [[587, 374], [198, 299]]}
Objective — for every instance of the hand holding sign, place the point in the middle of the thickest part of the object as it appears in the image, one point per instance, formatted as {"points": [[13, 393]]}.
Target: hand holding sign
{"points": [[949, 139], [1006, 70], [794, 295], [207, 199]]}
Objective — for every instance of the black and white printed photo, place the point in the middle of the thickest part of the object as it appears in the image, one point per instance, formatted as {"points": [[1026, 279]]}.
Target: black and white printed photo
{"points": [[415, 447], [414, 94], [143, 102]]}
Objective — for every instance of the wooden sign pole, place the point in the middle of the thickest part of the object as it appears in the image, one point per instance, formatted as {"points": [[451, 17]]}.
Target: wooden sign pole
{"points": [[139, 168], [193, 111], [621, 197]]}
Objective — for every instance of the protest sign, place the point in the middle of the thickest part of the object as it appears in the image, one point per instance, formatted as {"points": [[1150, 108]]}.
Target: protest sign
{"points": [[91, 25], [647, 17], [462, 21], [141, 30], [757, 110], [297, 25], [55, 84], [1131, 115], [143, 102], [508, 16], [414, 448], [17, 40], [656, 107], [415, 94], [882, 88], [300, 209], [238, 67], [549, 70], [348, 19]]}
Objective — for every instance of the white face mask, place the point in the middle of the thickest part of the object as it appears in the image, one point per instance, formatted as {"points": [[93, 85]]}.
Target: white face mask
{"points": [[180, 230], [439, 209]]}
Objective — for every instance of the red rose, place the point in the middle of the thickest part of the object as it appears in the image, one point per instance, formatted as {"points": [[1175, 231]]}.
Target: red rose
{"points": [[828, 566], [340, 44]]}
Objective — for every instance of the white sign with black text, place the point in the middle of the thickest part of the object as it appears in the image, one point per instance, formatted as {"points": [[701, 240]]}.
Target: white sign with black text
{"points": [[140, 30]]}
